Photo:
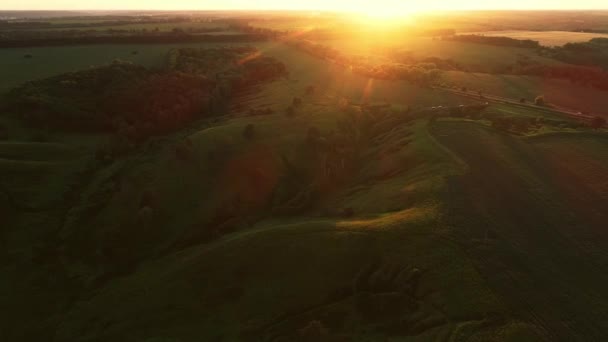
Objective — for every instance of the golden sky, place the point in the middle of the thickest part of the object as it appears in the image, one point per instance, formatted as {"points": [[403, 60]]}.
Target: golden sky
{"points": [[352, 5]]}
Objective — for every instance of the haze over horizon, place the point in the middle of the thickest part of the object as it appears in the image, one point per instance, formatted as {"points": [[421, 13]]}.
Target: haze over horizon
{"points": [[339, 5]]}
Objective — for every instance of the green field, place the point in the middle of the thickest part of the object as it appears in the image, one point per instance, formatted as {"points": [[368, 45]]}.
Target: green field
{"points": [[541, 219], [163, 27]]}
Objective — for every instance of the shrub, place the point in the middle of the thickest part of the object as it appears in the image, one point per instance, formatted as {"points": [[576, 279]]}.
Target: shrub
{"points": [[539, 100]]}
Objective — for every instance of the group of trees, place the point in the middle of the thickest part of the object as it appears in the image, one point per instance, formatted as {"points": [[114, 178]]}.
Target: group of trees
{"points": [[122, 98], [149, 37], [134, 102], [419, 73], [493, 40], [585, 75], [592, 53], [233, 67]]}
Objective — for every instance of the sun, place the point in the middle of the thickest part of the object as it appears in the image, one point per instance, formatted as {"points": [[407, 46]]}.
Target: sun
{"points": [[385, 14]]}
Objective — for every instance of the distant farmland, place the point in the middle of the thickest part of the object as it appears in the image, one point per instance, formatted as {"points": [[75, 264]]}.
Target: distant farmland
{"points": [[547, 38], [53, 60], [480, 57]]}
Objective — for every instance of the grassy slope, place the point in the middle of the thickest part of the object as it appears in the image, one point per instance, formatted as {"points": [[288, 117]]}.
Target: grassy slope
{"points": [[425, 202], [279, 274], [539, 248]]}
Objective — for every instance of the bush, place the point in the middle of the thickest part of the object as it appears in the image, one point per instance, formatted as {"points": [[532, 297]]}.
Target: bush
{"points": [[539, 100]]}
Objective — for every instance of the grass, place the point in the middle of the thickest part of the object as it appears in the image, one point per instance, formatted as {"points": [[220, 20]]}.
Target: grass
{"points": [[279, 274], [546, 38], [526, 214], [458, 232]]}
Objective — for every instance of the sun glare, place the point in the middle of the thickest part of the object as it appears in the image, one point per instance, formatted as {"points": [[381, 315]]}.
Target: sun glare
{"points": [[375, 15]]}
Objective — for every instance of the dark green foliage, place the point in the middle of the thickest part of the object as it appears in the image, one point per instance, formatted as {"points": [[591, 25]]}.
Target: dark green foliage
{"points": [[591, 53], [539, 100], [494, 40], [423, 73]]}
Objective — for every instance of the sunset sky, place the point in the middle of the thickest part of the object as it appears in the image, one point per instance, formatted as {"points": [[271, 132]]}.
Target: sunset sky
{"points": [[351, 5]]}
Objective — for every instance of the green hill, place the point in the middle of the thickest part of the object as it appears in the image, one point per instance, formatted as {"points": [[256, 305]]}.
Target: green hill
{"points": [[288, 208]]}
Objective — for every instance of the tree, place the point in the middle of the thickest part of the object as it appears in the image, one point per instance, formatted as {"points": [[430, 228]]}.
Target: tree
{"points": [[539, 100]]}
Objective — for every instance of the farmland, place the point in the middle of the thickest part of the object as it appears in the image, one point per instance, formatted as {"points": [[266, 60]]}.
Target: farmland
{"points": [[478, 57], [546, 38], [50, 61], [559, 92]]}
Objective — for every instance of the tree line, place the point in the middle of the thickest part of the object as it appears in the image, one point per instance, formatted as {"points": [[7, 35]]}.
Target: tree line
{"points": [[493, 40], [148, 38]]}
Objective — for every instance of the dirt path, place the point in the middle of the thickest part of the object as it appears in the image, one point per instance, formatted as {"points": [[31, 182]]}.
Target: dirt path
{"points": [[514, 102]]}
